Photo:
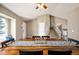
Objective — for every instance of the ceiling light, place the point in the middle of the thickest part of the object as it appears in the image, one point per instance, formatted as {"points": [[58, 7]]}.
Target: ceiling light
{"points": [[41, 6]]}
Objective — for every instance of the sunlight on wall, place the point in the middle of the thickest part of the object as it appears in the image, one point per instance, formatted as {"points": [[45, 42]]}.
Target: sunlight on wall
{"points": [[24, 30], [41, 29], [13, 28]]}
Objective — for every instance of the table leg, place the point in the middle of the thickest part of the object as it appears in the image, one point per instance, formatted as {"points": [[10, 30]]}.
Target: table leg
{"points": [[45, 52]]}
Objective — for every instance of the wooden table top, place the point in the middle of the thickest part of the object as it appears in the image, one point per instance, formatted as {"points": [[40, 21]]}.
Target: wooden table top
{"points": [[46, 47], [56, 48]]}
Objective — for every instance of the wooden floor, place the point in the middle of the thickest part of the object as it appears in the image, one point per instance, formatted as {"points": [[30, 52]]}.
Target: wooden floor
{"points": [[15, 51], [9, 51]]}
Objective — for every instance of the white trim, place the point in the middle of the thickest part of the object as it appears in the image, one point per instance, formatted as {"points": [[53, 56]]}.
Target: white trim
{"points": [[1, 14]]}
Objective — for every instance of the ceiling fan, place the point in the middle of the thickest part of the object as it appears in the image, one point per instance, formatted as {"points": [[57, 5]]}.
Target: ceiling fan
{"points": [[41, 5]]}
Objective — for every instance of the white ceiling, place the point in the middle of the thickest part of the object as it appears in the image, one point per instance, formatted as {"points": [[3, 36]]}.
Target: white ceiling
{"points": [[28, 11]]}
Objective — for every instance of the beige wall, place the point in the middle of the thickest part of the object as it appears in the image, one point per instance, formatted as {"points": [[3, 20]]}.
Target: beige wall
{"points": [[71, 19], [73, 24], [18, 20], [33, 25], [29, 28], [60, 21], [45, 19]]}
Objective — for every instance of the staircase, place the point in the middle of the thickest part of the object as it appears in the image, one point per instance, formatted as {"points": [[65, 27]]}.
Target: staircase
{"points": [[55, 31]]}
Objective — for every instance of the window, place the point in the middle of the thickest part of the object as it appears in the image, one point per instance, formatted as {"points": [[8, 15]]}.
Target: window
{"points": [[3, 28], [7, 26]]}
